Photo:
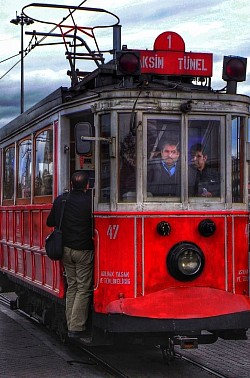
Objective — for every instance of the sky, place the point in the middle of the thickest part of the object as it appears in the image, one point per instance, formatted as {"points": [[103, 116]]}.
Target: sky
{"points": [[220, 27]]}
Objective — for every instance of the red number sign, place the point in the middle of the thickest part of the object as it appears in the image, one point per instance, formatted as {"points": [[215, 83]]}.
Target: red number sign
{"points": [[169, 58]]}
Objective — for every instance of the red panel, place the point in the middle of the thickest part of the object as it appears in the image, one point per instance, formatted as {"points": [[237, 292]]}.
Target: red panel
{"points": [[241, 269], [26, 258], [139, 258], [18, 227], [45, 229], [36, 228], [38, 276], [48, 272], [183, 228], [26, 227], [10, 223], [230, 243], [5, 257], [132, 246], [28, 264], [182, 303], [19, 262], [11, 259], [3, 225], [59, 282], [115, 259]]}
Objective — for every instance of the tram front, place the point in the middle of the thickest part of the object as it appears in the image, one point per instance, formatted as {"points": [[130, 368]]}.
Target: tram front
{"points": [[171, 205]]}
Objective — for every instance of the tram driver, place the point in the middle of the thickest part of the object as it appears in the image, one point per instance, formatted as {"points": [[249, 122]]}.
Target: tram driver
{"points": [[204, 181], [164, 174]]}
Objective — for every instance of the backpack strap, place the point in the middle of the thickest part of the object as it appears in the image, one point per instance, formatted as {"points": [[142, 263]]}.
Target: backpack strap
{"points": [[62, 211]]}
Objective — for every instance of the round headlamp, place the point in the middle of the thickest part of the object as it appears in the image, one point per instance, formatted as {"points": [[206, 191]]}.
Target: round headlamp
{"points": [[185, 261]]}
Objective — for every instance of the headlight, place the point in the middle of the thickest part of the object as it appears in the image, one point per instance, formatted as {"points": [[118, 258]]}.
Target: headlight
{"points": [[185, 261], [189, 262]]}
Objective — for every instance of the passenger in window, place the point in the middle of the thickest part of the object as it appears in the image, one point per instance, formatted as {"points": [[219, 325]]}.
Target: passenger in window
{"points": [[204, 181], [164, 174]]}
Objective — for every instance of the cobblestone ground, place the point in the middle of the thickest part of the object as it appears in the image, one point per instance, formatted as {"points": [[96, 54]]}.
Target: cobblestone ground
{"points": [[230, 358]]}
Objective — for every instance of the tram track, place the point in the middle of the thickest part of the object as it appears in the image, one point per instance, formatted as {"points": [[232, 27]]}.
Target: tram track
{"points": [[104, 364], [199, 365]]}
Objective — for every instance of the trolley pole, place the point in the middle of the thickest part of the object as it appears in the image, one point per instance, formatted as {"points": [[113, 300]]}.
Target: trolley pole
{"points": [[22, 20]]}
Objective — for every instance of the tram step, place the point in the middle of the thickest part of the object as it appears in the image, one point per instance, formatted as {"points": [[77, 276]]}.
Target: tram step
{"points": [[9, 300]]}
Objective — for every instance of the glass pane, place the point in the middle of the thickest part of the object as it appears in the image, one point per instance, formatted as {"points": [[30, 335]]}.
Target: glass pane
{"points": [[237, 159], [164, 171], [127, 144], [44, 163], [204, 158], [105, 159], [9, 161], [24, 169]]}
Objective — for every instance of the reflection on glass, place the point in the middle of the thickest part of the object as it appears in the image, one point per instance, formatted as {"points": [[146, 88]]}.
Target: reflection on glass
{"points": [[44, 163], [164, 171], [24, 169], [8, 183], [204, 158], [127, 177], [105, 159], [237, 159]]}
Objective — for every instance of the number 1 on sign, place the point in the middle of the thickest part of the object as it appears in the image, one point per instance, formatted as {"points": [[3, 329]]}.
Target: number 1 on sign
{"points": [[169, 38]]}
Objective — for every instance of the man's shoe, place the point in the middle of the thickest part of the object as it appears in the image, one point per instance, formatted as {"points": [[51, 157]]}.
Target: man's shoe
{"points": [[76, 334], [86, 339]]}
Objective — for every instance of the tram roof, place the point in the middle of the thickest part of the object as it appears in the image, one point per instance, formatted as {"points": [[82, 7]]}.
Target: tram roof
{"points": [[53, 100]]}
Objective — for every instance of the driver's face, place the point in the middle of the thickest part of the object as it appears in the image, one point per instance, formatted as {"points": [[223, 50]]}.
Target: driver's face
{"points": [[170, 154]]}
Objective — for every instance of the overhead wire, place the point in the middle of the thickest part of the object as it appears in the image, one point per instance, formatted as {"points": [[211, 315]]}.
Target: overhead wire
{"points": [[27, 51]]}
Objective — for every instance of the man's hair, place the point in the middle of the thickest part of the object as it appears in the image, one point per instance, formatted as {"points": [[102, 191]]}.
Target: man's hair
{"points": [[79, 180], [170, 142], [197, 147]]}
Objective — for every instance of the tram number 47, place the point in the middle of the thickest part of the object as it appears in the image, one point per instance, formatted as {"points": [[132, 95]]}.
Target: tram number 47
{"points": [[112, 231]]}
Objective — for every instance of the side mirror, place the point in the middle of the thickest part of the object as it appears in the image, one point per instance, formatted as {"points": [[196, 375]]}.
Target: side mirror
{"points": [[83, 130]]}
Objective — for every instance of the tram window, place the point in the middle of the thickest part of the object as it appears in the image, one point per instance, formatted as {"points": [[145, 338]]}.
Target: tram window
{"points": [[237, 159], [8, 179], [24, 169], [44, 163], [204, 158], [105, 173], [127, 168], [163, 149]]}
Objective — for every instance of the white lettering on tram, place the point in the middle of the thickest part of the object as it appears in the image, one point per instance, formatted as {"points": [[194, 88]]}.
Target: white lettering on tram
{"points": [[114, 278], [112, 231], [186, 63], [242, 275], [152, 62]]}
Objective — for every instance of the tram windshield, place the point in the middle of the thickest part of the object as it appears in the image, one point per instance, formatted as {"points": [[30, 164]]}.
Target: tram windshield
{"points": [[204, 158], [196, 166], [164, 157]]}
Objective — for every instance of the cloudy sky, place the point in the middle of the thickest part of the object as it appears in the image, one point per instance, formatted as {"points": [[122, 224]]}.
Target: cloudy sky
{"points": [[220, 27]]}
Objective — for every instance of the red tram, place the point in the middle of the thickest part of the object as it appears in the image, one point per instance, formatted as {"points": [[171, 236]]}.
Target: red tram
{"points": [[170, 264]]}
